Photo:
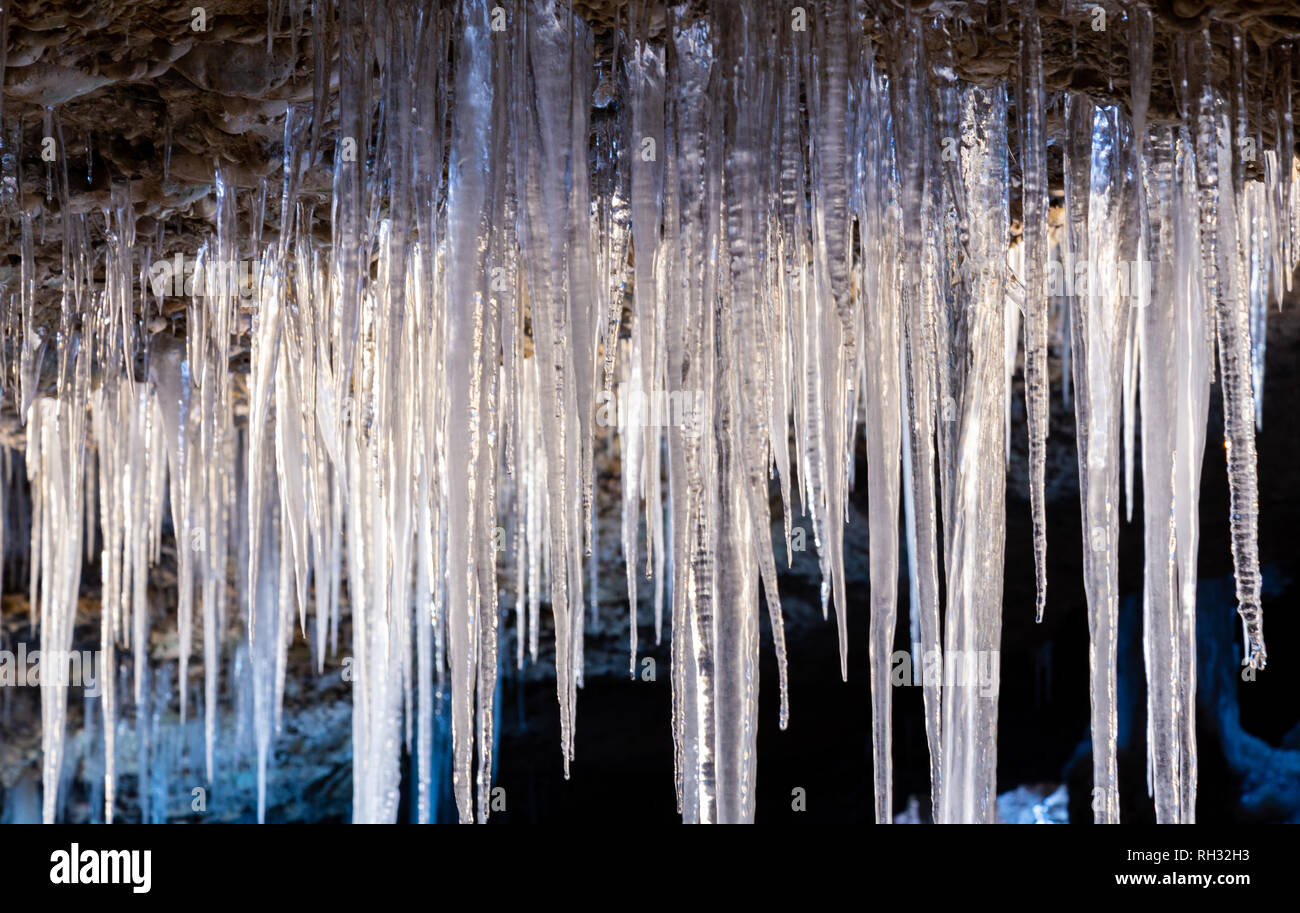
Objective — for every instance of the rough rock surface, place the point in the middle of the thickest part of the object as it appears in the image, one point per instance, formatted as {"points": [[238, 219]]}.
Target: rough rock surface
{"points": [[142, 98]]}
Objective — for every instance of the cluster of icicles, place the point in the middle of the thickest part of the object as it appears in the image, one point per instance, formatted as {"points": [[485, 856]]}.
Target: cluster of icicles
{"points": [[810, 242]]}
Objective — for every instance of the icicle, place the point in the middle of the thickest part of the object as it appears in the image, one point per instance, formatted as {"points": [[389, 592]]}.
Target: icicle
{"points": [[55, 451], [921, 306], [1033, 158], [1195, 371], [689, 347], [464, 323], [882, 392], [742, 380], [262, 384], [837, 361], [642, 446], [1175, 395], [173, 390], [1232, 321], [1161, 322], [1100, 322], [976, 527], [266, 638]]}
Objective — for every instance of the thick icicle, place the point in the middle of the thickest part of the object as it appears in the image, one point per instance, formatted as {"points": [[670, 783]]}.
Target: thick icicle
{"points": [[882, 392], [469, 167], [921, 304], [976, 526], [1096, 192]]}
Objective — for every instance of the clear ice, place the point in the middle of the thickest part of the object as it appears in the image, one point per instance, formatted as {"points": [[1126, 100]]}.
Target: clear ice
{"points": [[757, 241]]}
